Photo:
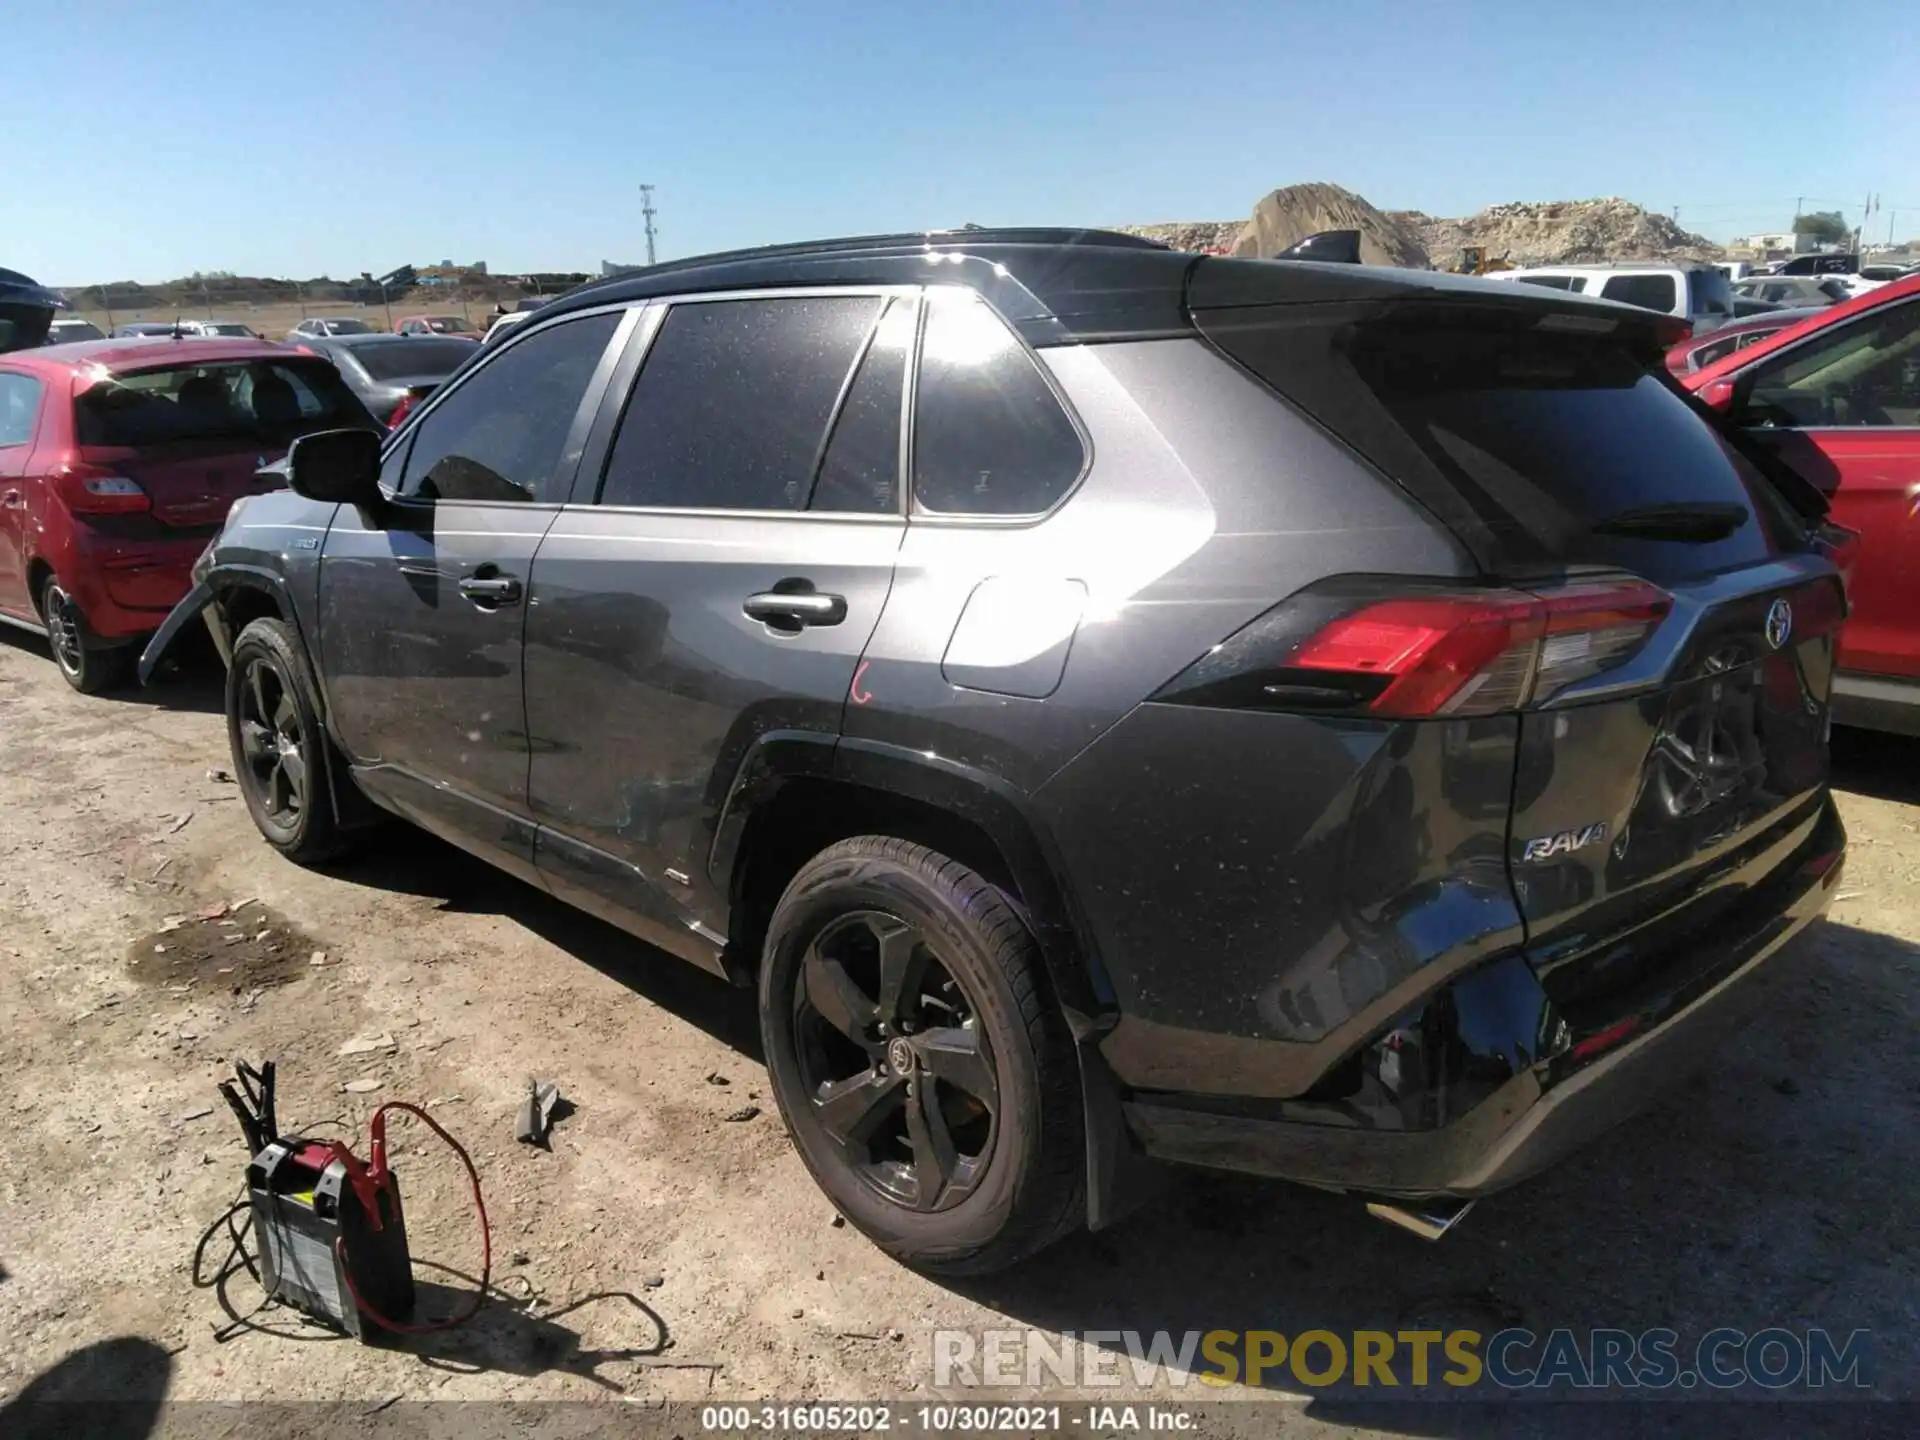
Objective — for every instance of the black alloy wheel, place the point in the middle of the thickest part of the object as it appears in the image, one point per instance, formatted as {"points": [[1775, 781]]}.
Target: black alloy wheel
{"points": [[279, 746], [924, 1073], [273, 743], [894, 1061]]}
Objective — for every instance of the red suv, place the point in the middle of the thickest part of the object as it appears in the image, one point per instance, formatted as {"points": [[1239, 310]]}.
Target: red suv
{"points": [[1838, 398], [119, 460]]}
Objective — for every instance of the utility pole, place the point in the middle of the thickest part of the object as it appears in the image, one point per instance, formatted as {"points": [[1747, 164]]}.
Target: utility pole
{"points": [[646, 209]]}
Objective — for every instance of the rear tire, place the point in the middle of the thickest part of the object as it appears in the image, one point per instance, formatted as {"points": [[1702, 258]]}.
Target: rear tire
{"points": [[83, 662], [927, 1081], [274, 732]]}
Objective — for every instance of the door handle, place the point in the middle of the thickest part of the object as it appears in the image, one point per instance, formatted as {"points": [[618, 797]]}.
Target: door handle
{"points": [[793, 609], [491, 588]]}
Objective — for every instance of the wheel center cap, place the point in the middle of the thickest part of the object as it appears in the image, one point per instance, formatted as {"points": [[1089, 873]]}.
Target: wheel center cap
{"points": [[900, 1056]]}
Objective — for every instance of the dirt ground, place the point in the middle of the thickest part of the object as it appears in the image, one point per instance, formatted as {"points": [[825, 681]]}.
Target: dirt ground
{"points": [[670, 1244]]}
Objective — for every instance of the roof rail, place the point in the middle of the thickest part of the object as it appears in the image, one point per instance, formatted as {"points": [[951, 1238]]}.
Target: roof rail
{"points": [[965, 234]]}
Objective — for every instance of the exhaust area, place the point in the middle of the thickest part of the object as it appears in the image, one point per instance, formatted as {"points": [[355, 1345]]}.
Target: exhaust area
{"points": [[1429, 1219]]}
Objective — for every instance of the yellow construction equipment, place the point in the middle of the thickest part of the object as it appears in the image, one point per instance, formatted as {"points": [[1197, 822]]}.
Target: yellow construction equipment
{"points": [[1474, 260]]}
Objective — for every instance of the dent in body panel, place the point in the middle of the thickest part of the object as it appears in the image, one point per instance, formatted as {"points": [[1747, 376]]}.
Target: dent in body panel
{"points": [[421, 677], [1272, 876], [1693, 781], [647, 684]]}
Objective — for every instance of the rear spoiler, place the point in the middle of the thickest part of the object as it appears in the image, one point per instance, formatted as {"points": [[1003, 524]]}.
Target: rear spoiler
{"points": [[1340, 247]]}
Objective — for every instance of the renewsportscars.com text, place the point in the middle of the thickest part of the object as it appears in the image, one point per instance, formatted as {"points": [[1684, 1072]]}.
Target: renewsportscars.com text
{"points": [[1773, 1358]]}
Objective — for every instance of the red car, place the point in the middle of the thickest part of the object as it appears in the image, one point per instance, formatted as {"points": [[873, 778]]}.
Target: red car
{"points": [[1837, 397], [119, 460], [1696, 352]]}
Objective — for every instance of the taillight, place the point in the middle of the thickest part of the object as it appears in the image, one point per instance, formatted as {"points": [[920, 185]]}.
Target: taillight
{"points": [[1439, 653], [400, 411], [86, 490]]}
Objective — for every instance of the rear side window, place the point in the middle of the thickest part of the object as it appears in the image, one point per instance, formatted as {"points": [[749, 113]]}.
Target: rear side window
{"points": [[860, 469], [241, 402], [734, 400], [1551, 282], [1541, 450], [989, 435], [1649, 292], [19, 405]]}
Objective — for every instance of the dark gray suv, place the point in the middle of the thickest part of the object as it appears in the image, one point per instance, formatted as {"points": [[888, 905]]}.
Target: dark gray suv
{"points": [[1357, 726]]}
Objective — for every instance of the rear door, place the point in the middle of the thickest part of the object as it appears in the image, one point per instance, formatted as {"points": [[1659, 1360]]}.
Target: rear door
{"points": [[1672, 740], [714, 582], [1843, 408], [20, 399]]}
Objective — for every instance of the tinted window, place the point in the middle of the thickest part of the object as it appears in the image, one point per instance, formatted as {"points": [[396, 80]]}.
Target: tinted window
{"points": [[240, 401], [501, 435], [1551, 282], [401, 358], [1522, 441], [733, 401], [346, 327], [1713, 350], [1866, 372], [1709, 293], [1649, 292], [860, 471], [19, 404], [989, 436]]}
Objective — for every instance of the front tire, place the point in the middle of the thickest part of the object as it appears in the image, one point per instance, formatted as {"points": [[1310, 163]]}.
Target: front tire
{"points": [[924, 1077], [85, 664], [274, 732]]}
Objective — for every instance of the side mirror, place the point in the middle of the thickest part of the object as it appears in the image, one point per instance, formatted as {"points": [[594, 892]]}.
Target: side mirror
{"points": [[340, 467], [1719, 395]]}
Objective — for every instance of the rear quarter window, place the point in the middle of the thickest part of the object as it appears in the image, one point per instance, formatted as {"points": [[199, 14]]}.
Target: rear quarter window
{"points": [[990, 436]]}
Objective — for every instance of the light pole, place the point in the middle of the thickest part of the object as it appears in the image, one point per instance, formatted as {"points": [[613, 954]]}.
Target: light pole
{"points": [[646, 209]]}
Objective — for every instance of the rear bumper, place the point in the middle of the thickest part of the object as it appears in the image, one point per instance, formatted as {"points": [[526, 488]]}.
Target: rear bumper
{"points": [[126, 587], [1540, 1115], [1877, 702]]}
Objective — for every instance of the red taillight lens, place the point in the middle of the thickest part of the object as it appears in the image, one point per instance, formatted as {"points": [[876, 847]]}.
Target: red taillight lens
{"points": [[1482, 654], [400, 411], [1443, 654], [86, 490]]}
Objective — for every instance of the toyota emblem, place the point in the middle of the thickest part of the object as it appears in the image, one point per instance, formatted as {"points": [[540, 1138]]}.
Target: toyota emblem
{"points": [[1779, 623]]}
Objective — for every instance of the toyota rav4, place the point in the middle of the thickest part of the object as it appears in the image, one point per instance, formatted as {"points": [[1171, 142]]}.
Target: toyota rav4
{"points": [[1356, 726]]}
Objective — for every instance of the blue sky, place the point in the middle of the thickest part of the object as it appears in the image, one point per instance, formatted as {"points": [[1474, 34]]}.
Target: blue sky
{"points": [[147, 141]]}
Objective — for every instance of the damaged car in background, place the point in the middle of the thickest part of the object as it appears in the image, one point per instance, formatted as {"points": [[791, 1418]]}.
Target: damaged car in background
{"points": [[1109, 705]]}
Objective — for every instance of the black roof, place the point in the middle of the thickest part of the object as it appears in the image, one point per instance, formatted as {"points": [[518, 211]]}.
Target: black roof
{"points": [[1060, 286]]}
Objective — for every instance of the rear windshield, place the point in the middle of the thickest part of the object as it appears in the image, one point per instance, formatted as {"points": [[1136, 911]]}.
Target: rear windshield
{"points": [[242, 401], [1533, 446], [347, 327], [403, 358]]}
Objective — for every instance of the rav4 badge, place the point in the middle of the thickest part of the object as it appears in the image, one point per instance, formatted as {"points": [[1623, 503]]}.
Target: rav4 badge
{"points": [[1565, 842]]}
